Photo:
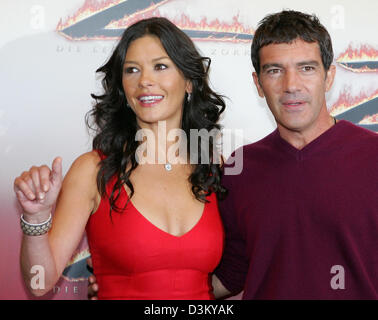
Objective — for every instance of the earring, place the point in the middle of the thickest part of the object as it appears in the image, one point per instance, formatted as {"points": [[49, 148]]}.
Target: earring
{"points": [[188, 97]]}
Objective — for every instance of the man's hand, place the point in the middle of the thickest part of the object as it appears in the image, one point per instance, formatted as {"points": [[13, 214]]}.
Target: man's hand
{"points": [[92, 284], [219, 289]]}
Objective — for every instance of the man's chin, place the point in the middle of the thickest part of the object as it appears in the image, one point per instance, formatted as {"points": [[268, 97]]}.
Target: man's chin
{"points": [[294, 125]]}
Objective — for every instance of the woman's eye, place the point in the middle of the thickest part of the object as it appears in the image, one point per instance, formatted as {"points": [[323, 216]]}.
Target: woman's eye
{"points": [[160, 66], [131, 70]]}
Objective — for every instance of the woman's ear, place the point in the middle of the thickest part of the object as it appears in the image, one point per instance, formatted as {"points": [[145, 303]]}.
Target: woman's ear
{"points": [[189, 86]]}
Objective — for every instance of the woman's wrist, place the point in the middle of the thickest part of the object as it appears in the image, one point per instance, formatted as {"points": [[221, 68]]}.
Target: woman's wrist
{"points": [[37, 218], [35, 228]]}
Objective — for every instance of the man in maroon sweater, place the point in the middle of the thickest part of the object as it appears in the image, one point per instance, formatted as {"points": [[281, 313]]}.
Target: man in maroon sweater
{"points": [[301, 220]]}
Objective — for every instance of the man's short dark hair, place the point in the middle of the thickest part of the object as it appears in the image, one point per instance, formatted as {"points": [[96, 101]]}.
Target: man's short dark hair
{"points": [[287, 26]]}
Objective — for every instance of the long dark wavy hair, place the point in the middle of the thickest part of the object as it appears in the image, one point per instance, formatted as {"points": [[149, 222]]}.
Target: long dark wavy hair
{"points": [[115, 124]]}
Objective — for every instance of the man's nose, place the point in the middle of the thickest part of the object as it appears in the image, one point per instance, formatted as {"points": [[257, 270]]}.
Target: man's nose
{"points": [[292, 81]]}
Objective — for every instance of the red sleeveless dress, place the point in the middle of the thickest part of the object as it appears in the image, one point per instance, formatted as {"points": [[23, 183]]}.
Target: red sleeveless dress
{"points": [[134, 259]]}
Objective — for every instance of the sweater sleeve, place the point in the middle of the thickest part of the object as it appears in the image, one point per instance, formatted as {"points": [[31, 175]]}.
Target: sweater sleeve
{"points": [[233, 268]]}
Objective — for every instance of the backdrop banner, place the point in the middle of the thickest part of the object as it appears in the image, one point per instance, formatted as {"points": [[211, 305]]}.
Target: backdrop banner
{"points": [[50, 50]]}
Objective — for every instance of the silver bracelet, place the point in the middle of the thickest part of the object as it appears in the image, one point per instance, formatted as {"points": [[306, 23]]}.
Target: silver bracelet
{"points": [[35, 229]]}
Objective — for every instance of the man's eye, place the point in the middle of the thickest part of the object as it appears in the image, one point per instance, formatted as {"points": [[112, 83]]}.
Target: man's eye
{"points": [[160, 66], [273, 71], [131, 70], [308, 68]]}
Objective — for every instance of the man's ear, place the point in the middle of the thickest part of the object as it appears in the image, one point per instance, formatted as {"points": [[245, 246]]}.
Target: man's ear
{"points": [[330, 77], [258, 85]]}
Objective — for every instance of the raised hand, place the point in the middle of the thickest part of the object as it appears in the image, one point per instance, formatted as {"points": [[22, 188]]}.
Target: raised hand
{"points": [[38, 188]]}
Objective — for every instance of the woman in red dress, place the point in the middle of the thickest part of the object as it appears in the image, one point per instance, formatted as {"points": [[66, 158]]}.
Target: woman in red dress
{"points": [[152, 223]]}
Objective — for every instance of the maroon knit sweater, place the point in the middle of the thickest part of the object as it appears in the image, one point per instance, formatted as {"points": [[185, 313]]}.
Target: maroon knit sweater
{"points": [[303, 224]]}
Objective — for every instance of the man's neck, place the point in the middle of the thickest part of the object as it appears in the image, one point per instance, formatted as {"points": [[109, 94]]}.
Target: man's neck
{"points": [[301, 138]]}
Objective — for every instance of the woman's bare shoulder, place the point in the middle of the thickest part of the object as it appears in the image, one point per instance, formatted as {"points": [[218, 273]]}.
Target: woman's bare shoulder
{"points": [[88, 162], [83, 170]]}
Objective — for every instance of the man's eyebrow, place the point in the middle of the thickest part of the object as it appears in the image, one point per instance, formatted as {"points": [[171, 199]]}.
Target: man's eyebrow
{"points": [[270, 65], [153, 60], [306, 63], [299, 64]]}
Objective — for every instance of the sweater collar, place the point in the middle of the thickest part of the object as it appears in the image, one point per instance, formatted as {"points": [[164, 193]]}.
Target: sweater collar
{"points": [[321, 143]]}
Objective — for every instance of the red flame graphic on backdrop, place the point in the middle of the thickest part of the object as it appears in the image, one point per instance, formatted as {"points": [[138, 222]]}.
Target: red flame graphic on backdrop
{"points": [[365, 55], [184, 22], [370, 119], [80, 254], [347, 102], [91, 7]]}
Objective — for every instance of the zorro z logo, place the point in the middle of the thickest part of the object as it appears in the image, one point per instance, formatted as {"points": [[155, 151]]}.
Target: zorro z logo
{"points": [[109, 19]]}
